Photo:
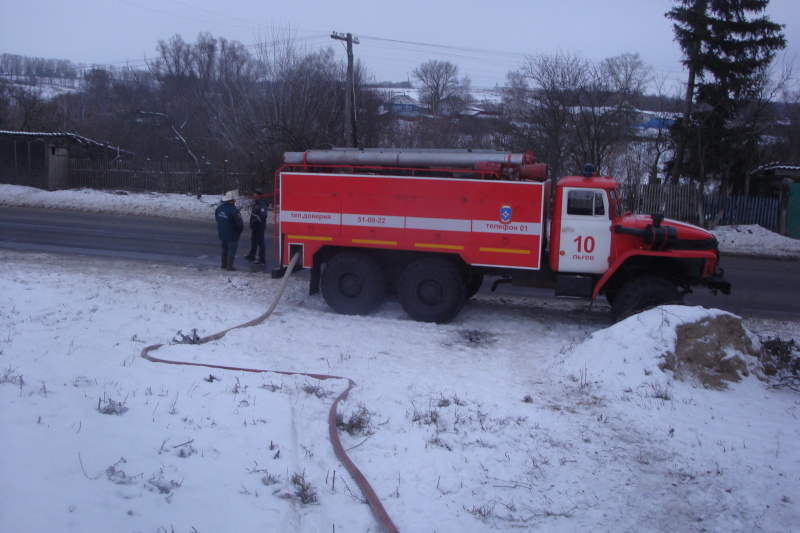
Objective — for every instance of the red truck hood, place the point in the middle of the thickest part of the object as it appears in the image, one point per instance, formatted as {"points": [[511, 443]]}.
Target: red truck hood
{"points": [[682, 237], [685, 231]]}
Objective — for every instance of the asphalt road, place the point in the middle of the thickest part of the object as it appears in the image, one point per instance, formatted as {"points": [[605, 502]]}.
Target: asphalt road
{"points": [[118, 236], [761, 287]]}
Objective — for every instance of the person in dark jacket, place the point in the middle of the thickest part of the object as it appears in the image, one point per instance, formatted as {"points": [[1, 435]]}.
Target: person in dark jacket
{"points": [[229, 228], [258, 224]]}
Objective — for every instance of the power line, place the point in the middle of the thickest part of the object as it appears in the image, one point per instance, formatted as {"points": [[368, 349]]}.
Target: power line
{"points": [[215, 13], [162, 12], [500, 62]]}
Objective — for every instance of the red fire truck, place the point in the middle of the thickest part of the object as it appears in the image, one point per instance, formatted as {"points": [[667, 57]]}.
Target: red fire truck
{"points": [[430, 224]]}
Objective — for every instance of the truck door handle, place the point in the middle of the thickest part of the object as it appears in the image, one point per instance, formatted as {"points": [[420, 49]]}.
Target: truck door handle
{"points": [[567, 230]]}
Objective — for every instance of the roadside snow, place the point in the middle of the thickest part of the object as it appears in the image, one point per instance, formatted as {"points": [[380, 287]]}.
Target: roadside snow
{"points": [[522, 414], [753, 240], [750, 240], [184, 206]]}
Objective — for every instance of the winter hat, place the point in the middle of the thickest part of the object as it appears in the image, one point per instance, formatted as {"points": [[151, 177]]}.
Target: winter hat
{"points": [[230, 195]]}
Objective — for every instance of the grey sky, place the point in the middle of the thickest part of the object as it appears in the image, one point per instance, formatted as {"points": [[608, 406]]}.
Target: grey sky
{"points": [[484, 38]]}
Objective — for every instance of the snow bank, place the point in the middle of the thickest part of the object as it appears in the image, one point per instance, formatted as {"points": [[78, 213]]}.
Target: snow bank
{"points": [[756, 241], [184, 206]]}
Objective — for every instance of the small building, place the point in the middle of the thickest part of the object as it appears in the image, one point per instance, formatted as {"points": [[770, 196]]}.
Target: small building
{"points": [[403, 105], [41, 159], [785, 181]]}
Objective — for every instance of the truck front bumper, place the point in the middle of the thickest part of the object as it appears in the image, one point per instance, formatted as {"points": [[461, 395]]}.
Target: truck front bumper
{"points": [[717, 282]]}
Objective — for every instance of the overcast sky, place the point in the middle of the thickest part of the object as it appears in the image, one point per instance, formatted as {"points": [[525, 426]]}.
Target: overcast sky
{"points": [[485, 38]]}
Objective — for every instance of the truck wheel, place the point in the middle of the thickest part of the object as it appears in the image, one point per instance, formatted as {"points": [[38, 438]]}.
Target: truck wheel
{"points": [[474, 283], [611, 295], [432, 290], [644, 293], [353, 283]]}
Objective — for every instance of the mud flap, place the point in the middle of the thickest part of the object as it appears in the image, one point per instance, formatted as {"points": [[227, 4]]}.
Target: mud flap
{"points": [[571, 286]]}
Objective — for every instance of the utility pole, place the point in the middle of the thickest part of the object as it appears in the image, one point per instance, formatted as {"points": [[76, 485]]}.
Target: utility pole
{"points": [[350, 137]]}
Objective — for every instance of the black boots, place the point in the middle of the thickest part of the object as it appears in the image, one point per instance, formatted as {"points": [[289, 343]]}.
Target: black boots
{"points": [[229, 264], [224, 263]]}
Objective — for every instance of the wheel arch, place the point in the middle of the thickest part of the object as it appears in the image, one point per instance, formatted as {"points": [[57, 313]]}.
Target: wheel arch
{"points": [[682, 271]]}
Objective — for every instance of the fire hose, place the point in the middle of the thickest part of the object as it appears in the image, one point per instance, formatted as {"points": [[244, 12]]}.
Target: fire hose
{"points": [[366, 489]]}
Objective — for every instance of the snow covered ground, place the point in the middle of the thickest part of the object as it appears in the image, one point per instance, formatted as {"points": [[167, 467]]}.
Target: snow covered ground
{"points": [[521, 414]]}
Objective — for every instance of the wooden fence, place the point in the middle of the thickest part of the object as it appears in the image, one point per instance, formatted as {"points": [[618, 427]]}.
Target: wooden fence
{"points": [[683, 202], [160, 176]]}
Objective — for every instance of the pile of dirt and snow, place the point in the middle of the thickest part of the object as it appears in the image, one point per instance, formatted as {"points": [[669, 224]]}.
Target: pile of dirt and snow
{"points": [[701, 346], [714, 351]]}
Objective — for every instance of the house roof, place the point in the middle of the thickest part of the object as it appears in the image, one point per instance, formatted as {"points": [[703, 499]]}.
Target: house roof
{"points": [[74, 137], [772, 171], [779, 167], [404, 99]]}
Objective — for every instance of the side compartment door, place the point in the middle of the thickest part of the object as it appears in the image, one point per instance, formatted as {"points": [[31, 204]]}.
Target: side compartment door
{"points": [[585, 240]]}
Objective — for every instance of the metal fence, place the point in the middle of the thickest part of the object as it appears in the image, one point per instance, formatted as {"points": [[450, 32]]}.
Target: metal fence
{"points": [[745, 210], [159, 176], [683, 202]]}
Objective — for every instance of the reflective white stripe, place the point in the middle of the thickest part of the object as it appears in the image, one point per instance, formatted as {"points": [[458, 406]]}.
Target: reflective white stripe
{"points": [[378, 221], [434, 224], [438, 224], [308, 216], [513, 228]]}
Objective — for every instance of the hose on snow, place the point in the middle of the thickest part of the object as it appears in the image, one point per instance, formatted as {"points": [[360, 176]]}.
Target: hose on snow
{"points": [[366, 489]]}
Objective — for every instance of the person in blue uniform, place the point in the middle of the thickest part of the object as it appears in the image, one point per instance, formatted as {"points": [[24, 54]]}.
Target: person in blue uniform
{"points": [[258, 224], [229, 228]]}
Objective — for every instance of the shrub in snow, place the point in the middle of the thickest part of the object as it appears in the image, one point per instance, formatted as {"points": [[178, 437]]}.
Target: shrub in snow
{"points": [[359, 421], [107, 406], [782, 359]]}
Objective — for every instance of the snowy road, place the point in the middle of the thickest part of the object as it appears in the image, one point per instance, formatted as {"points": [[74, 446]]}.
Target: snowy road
{"points": [[761, 287]]}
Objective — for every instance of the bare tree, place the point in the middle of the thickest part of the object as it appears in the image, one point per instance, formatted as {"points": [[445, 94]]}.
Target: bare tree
{"points": [[541, 98], [302, 107], [25, 108], [238, 88], [660, 142], [575, 112], [787, 134], [440, 81]]}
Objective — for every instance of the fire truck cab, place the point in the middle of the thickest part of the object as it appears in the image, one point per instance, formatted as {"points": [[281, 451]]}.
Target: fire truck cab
{"points": [[429, 225]]}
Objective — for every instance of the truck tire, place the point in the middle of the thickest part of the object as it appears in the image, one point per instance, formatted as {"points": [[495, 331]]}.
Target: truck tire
{"points": [[474, 283], [432, 290], [644, 293], [353, 283], [610, 295]]}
